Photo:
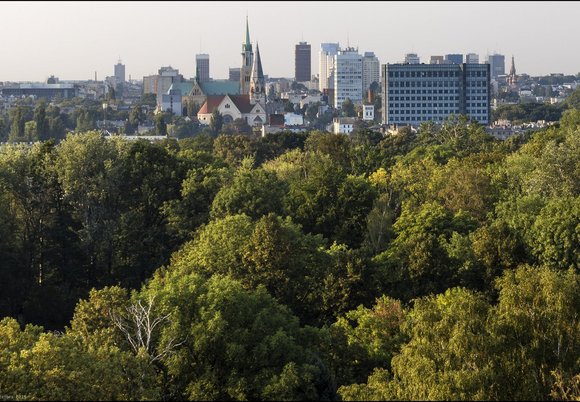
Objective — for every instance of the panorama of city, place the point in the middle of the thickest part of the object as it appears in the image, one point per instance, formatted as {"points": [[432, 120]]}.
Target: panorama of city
{"points": [[351, 89], [365, 229]]}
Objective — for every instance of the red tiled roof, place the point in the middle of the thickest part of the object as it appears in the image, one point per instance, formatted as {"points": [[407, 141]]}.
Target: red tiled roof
{"points": [[210, 104], [242, 102]]}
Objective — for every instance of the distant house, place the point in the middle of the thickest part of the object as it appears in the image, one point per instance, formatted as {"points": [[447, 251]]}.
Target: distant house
{"points": [[368, 112], [232, 107], [284, 122], [343, 125]]}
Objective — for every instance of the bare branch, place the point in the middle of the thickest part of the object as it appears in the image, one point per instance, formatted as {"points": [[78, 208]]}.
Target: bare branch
{"points": [[139, 326]]}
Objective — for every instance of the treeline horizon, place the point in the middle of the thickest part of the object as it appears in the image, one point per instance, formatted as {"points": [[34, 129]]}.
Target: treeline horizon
{"points": [[441, 264]]}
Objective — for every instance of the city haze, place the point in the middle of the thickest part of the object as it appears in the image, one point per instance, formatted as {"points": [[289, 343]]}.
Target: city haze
{"points": [[73, 40]]}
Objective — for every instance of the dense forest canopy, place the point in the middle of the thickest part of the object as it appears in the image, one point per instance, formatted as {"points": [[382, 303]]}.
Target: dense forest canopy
{"points": [[441, 264]]}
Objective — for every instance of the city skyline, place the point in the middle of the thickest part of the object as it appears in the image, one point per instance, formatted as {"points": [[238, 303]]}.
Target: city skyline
{"points": [[59, 38]]}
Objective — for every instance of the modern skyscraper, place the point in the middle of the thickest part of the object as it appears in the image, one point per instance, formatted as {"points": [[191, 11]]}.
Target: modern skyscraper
{"points": [[454, 58], [348, 77], [496, 64], [437, 60], [412, 58], [326, 65], [413, 94], [247, 60], [472, 58], [119, 72], [371, 71], [302, 62], [202, 67]]}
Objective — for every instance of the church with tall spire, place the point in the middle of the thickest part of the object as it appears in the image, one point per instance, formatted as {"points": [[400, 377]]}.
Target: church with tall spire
{"points": [[249, 103], [512, 78], [257, 84], [247, 61]]}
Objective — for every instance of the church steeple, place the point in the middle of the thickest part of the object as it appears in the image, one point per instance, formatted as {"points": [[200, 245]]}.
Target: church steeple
{"points": [[257, 84], [512, 78], [247, 58], [513, 67], [248, 43]]}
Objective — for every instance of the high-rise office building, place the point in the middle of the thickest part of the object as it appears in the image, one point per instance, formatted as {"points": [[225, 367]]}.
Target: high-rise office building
{"points": [[348, 77], [326, 65], [302, 62], [412, 58], [234, 74], [202, 67], [119, 72], [454, 58], [371, 71], [413, 94], [472, 58], [496, 64], [437, 60]]}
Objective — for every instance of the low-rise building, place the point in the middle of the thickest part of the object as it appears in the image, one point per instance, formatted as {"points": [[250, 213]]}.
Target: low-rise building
{"points": [[343, 125], [171, 102], [368, 112], [40, 90]]}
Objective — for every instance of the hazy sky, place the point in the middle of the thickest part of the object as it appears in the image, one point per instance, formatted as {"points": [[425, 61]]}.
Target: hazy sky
{"points": [[72, 40]]}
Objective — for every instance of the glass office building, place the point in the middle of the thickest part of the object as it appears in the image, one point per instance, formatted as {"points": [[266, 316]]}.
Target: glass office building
{"points": [[417, 93]]}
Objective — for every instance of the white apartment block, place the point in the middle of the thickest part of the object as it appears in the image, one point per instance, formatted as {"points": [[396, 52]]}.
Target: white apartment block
{"points": [[326, 65], [371, 71], [348, 77]]}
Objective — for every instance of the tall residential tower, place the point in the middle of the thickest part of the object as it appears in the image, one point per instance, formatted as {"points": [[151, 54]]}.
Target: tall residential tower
{"points": [[302, 62], [326, 65]]}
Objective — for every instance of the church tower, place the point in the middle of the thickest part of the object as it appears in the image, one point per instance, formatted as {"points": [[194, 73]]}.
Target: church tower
{"points": [[247, 58], [257, 84], [512, 78]]}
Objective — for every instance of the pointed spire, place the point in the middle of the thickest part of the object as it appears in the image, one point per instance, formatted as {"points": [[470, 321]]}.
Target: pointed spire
{"points": [[258, 62], [248, 44], [257, 84], [513, 67]]}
